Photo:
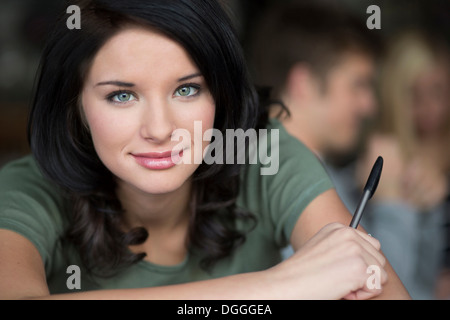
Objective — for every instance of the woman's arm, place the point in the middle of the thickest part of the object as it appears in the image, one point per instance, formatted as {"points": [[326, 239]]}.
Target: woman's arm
{"points": [[22, 273], [22, 276], [328, 208], [329, 264]]}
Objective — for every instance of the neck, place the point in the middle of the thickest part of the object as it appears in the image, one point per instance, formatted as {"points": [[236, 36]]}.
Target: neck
{"points": [[298, 128], [154, 212]]}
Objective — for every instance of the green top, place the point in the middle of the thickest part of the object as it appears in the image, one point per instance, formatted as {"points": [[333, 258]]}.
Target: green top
{"points": [[32, 206]]}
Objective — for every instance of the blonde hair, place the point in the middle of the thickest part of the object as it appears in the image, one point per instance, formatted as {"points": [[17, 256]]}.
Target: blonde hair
{"points": [[409, 54]]}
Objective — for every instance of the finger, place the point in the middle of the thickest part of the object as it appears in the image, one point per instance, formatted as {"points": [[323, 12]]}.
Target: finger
{"points": [[367, 237], [362, 295], [370, 247], [368, 280], [352, 242]]}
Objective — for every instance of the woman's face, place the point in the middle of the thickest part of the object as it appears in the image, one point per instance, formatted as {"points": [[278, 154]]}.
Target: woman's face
{"points": [[141, 87], [431, 101]]}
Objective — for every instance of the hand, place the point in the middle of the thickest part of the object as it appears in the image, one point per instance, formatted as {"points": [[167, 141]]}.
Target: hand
{"points": [[334, 264]]}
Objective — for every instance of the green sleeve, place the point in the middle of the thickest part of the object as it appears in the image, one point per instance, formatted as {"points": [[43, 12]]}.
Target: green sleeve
{"points": [[31, 206], [279, 199]]}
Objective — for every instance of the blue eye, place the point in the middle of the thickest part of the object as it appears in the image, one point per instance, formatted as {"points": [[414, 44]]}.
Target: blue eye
{"points": [[187, 91], [121, 97]]}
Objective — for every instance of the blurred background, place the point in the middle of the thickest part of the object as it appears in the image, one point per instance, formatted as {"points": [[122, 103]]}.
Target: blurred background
{"points": [[24, 24], [23, 27]]}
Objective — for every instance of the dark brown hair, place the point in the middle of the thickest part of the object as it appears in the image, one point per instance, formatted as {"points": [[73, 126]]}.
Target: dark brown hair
{"points": [[305, 32]]}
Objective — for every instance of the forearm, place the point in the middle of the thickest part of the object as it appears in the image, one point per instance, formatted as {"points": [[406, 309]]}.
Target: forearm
{"points": [[247, 286]]}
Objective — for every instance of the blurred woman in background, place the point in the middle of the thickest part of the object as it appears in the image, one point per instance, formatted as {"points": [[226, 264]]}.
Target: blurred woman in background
{"points": [[408, 212]]}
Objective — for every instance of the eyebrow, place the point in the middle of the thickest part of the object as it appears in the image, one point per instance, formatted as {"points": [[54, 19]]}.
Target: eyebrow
{"points": [[130, 85], [116, 83], [195, 75]]}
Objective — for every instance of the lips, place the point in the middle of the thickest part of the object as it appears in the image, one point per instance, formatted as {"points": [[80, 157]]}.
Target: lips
{"points": [[158, 160]]}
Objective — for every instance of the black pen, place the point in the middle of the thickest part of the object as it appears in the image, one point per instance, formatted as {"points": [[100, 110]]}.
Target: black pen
{"points": [[369, 190]]}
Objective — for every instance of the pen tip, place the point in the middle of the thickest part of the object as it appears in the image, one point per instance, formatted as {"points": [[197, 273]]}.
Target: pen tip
{"points": [[374, 177]]}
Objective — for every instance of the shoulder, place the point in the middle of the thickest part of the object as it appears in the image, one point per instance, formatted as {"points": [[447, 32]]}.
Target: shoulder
{"points": [[31, 205], [23, 176], [16, 173], [278, 156], [282, 181]]}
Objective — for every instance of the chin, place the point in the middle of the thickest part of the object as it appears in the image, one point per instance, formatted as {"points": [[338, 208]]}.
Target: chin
{"points": [[162, 182], [342, 148]]}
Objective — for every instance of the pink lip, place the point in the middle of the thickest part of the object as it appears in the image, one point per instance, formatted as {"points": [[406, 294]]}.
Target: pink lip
{"points": [[158, 160]]}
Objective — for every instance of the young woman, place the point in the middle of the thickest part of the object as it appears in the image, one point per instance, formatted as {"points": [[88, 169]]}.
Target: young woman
{"points": [[107, 188]]}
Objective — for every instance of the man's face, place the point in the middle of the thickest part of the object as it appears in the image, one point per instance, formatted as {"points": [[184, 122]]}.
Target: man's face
{"points": [[346, 99]]}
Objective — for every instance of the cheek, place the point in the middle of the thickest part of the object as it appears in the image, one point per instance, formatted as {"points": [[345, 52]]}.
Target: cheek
{"points": [[197, 119], [337, 112], [206, 113], [207, 119], [196, 116], [108, 130], [342, 126]]}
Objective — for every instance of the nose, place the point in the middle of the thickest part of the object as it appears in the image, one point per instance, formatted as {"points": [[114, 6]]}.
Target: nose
{"points": [[157, 122]]}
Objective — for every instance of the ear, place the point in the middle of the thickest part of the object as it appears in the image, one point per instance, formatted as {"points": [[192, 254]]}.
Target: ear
{"points": [[301, 83]]}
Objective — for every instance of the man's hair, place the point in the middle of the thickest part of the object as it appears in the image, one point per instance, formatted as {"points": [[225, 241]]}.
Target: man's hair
{"points": [[308, 33]]}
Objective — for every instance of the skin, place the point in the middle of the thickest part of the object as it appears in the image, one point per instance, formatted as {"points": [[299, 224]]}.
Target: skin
{"points": [[330, 262]]}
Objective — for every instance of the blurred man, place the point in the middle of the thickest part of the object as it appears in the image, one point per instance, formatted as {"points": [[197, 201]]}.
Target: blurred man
{"points": [[320, 64]]}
